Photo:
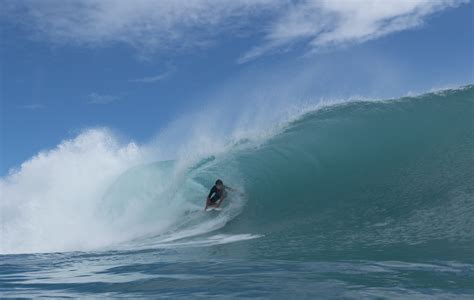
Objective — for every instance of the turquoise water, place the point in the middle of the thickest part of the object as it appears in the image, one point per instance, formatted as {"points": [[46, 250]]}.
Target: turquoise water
{"points": [[362, 199]]}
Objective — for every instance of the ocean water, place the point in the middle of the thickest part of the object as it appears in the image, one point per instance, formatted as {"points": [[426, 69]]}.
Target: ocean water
{"points": [[366, 199]]}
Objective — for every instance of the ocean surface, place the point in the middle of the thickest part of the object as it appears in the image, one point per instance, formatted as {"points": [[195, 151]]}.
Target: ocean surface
{"points": [[365, 199]]}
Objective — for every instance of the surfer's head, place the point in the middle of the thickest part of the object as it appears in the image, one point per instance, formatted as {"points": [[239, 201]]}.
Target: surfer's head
{"points": [[219, 184]]}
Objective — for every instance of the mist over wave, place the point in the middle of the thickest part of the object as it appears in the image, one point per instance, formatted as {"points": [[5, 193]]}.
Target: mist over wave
{"points": [[95, 190], [49, 203], [340, 177]]}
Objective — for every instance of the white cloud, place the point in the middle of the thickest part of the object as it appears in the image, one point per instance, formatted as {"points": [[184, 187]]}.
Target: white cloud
{"points": [[323, 23], [150, 79], [175, 25], [146, 25], [155, 78], [33, 106], [94, 98]]}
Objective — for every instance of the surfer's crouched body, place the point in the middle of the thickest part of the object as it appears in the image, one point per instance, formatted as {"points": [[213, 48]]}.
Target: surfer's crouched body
{"points": [[216, 195]]}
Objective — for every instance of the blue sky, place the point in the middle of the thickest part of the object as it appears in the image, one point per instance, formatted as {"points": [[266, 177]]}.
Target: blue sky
{"points": [[136, 66]]}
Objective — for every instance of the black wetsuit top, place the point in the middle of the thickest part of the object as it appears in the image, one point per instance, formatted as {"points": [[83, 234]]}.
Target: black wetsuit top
{"points": [[215, 194]]}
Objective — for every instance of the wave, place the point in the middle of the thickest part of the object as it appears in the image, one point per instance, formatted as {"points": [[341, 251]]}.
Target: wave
{"points": [[384, 175]]}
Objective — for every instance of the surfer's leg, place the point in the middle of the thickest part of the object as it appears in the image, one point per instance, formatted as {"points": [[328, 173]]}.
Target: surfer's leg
{"points": [[220, 201], [210, 203]]}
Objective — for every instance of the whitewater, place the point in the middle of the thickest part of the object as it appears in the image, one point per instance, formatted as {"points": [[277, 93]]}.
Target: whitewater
{"points": [[348, 199]]}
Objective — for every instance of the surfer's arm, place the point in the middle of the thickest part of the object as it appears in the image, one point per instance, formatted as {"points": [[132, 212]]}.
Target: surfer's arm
{"points": [[229, 188], [211, 192], [224, 194], [234, 190], [208, 199]]}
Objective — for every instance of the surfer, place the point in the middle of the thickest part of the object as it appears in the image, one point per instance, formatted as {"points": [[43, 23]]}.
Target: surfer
{"points": [[217, 194]]}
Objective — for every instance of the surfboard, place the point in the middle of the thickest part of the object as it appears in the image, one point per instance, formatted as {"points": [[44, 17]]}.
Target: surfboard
{"points": [[213, 209]]}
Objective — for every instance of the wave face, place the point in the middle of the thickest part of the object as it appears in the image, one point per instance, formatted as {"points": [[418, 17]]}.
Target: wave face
{"points": [[366, 180], [361, 180], [371, 180]]}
